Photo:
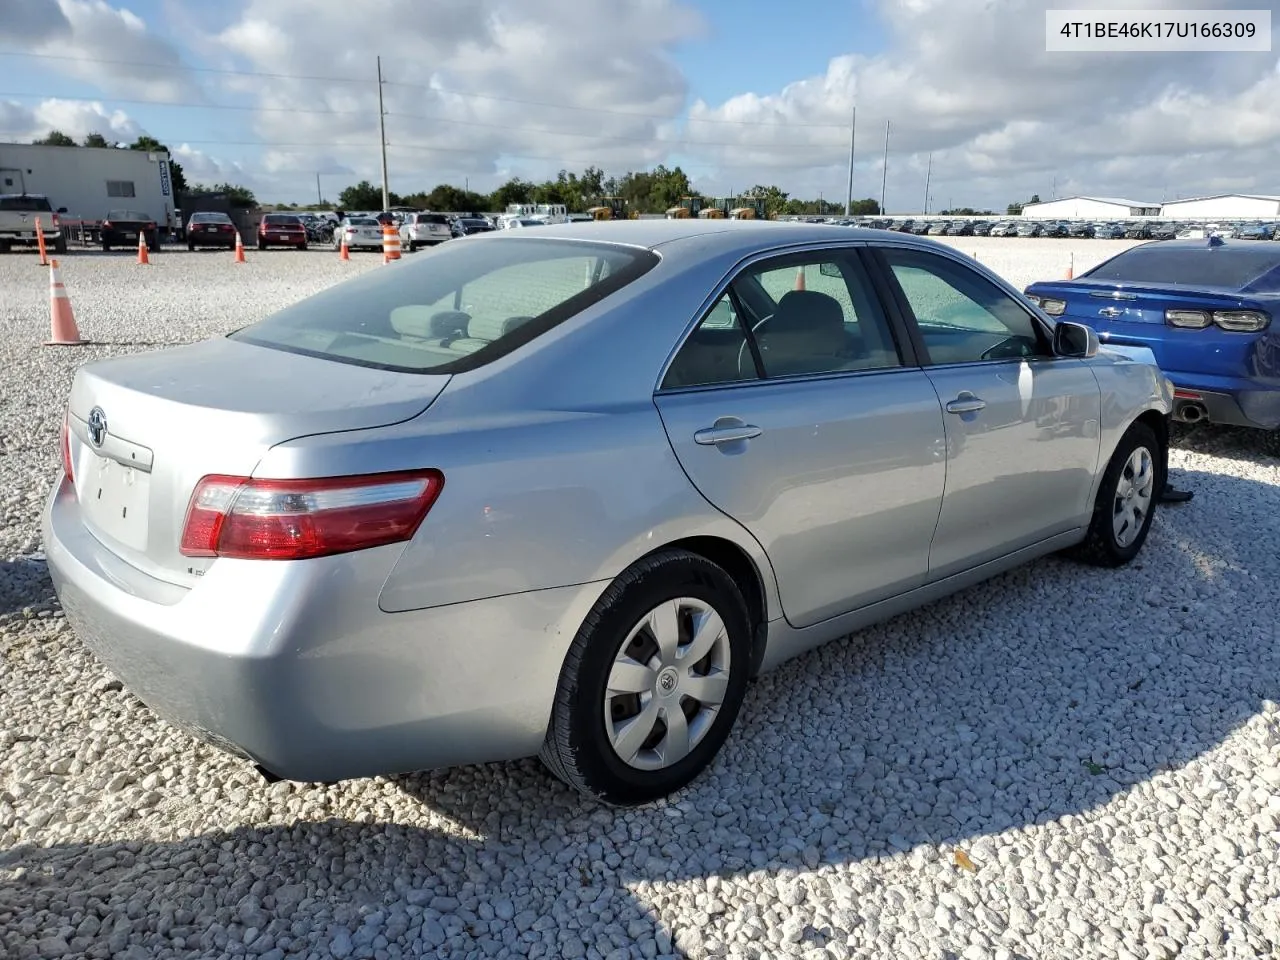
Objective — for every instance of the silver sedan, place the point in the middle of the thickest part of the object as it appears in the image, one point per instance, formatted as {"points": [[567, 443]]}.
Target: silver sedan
{"points": [[565, 491]]}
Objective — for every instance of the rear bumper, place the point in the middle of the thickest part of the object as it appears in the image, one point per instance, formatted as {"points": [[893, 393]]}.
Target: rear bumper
{"points": [[294, 666], [1243, 404]]}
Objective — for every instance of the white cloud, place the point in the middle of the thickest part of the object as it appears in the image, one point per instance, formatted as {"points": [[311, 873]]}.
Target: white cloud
{"points": [[76, 118], [486, 89]]}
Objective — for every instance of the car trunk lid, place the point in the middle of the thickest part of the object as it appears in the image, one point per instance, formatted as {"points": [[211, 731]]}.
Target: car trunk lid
{"points": [[164, 420]]}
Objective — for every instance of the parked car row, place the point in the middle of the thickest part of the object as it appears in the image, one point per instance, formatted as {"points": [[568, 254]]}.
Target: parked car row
{"points": [[1076, 229]]}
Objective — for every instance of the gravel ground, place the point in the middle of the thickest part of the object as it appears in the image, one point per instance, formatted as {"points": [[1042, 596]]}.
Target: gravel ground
{"points": [[1063, 762]]}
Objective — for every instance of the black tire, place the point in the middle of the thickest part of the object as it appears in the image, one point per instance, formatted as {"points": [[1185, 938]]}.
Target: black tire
{"points": [[1100, 547], [262, 245], [106, 247], [413, 247], [302, 247], [60, 245], [577, 747], [190, 245]]}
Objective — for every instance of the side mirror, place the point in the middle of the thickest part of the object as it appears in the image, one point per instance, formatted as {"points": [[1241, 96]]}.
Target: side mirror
{"points": [[829, 270], [1074, 340]]}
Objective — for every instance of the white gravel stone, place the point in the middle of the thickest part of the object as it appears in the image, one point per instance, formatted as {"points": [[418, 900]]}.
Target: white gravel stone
{"points": [[1103, 745]]}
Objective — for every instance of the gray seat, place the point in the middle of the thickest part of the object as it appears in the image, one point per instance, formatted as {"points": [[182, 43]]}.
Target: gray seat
{"points": [[805, 335]]}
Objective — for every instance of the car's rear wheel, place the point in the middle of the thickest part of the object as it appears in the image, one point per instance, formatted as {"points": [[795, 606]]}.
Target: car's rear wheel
{"points": [[262, 245], [653, 681], [1126, 501], [105, 246], [302, 246], [60, 245]]}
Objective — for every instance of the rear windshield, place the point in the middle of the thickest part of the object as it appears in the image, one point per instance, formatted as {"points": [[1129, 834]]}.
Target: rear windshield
{"points": [[458, 309], [281, 218], [432, 218], [362, 221], [1232, 267], [210, 218], [26, 204]]}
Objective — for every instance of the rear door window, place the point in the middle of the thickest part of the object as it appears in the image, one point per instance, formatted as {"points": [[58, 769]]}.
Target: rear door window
{"points": [[456, 310], [26, 204]]}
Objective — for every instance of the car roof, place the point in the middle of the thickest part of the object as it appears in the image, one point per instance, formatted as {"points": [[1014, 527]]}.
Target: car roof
{"points": [[706, 239]]}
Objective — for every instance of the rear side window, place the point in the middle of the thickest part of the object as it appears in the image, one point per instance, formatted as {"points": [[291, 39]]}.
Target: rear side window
{"points": [[458, 309], [26, 204], [1226, 266]]}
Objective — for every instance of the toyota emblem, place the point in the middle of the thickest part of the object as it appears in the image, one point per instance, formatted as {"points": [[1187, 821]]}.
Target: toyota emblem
{"points": [[97, 426]]}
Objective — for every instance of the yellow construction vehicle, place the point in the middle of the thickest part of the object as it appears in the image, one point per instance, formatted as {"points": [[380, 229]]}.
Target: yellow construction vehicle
{"points": [[717, 209], [689, 207], [612, 208], [751, 208]]}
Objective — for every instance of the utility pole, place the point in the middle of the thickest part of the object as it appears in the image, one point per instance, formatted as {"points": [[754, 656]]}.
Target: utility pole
{"points": [[927, 177], [319, 195], [884, 176], [853, 131], [382, 137]]}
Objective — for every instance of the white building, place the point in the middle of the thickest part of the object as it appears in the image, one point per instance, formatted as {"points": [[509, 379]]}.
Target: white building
{"points": [[89, 181], [1226, 206], [1090, 208]]}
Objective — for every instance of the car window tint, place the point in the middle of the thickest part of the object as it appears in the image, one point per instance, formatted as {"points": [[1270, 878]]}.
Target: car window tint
{"points": [[459, 308], [1233, 267], [716, 352], [962, 316], [824, 318], [22, 204]]}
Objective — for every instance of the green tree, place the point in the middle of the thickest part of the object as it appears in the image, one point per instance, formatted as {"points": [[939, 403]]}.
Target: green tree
{"points": [[865, 208], [1015, 209], [514, 190], [236, 195], [96, 140], [55, 138], [775, 198], [363, 196]]}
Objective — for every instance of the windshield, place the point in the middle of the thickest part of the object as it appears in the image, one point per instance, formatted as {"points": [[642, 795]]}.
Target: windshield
{"points": [[26, 204], [456, 310], [1232, 267]]}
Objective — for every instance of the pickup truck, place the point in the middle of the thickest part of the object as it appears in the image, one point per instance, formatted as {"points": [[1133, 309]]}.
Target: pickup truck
{"points": [[18, 212]]}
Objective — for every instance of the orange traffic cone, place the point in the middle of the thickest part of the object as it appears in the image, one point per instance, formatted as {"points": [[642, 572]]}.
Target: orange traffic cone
{"points": [[799, 278], [239, 248], [345, 254], [1071, 268], [62, 322], [142, 249], [44, 253]]}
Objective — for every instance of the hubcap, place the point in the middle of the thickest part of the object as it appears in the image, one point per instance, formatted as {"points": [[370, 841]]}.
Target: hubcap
{"points": [[667, 683], [1134, 492]]}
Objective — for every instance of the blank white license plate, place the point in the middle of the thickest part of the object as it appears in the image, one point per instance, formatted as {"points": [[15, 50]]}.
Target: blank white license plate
{"points": [[129, 236], [114, 498]]}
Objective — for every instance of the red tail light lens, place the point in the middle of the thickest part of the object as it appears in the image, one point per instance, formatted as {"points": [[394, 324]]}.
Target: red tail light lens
{"points": [[56, 221], [298, 519], [65, 441]]}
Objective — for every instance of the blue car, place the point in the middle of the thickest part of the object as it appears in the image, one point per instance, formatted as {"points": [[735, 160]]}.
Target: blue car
{"points": [[1203, 307]]}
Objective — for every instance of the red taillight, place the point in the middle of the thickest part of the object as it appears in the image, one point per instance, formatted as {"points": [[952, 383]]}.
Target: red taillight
{"points": [[106, 224], [56, 222], [297, 519], [66, 448]]}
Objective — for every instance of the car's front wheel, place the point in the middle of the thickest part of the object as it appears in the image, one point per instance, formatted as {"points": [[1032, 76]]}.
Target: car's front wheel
{"points": [[653, 681], [1126, 501]]}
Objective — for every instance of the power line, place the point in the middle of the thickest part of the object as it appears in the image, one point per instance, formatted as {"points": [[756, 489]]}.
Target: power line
{"points": [[740, 144], [412, 86]]}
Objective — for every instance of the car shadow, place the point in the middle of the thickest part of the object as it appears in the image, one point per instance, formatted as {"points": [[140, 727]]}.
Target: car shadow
{"points": [[988, 735]]}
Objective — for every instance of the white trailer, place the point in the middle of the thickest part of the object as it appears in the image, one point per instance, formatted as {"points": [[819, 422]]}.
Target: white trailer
{"points": [[90, 181]]}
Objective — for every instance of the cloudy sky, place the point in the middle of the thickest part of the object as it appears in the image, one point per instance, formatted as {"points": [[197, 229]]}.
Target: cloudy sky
{"points": [[269, 93]]}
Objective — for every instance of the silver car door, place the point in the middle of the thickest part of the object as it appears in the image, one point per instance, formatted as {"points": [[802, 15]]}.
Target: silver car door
{"points": [[1022, 426], [793, 410]]}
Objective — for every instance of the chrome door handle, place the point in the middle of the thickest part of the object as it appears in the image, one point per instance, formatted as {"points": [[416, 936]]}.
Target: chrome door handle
{"points": [[966, 403], [728, 434]]}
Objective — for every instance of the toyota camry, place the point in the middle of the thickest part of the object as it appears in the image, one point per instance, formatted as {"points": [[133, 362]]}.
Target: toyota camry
{"points": [[566, 491]]}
